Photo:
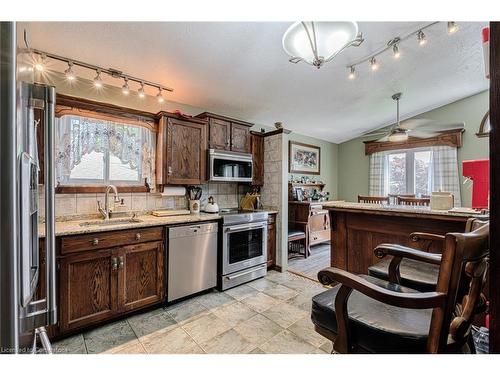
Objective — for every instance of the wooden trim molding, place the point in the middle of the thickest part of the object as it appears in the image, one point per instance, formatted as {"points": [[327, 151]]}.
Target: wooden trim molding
{"points": [[452, 138], [277, 131], [483, 133], [91, 189], [69, 105], [224, 118]]}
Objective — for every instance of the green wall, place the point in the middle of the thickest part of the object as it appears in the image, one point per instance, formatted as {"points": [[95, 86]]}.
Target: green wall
{"points": [[329, 162], [354, 165]]}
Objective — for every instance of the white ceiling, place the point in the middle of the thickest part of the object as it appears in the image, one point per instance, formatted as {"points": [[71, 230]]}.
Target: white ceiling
{"points": [[240, 69]]}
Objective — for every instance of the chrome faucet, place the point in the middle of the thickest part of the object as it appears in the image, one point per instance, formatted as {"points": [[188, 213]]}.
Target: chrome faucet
{"points": [[106, 210]]}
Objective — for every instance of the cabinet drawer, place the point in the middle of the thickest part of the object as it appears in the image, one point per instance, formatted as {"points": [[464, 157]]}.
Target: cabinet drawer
{"points": [[319, 236], [101, 240]]}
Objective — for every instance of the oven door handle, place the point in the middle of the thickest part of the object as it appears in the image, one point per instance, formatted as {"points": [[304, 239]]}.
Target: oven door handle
{"points": [[239, 274], [243, 227]]}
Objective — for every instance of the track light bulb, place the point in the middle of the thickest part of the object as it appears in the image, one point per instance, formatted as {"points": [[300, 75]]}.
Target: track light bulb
{"points": [[159, 97], [373, 63], [452, 27], [395, 51], [70, 75], [141, 92], [421, 38], [98, 80], [352, 73], [125, 88]]}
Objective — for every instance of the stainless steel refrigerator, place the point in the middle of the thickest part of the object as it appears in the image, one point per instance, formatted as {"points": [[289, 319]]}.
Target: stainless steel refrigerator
{"points": [[24, 106]]}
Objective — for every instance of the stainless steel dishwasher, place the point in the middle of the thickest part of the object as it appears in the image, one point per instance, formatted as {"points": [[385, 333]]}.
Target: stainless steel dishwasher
{"points": [[192, 259]]}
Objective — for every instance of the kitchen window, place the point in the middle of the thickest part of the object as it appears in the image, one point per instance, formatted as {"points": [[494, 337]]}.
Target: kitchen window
{"points": [[409, 172], [97, 152]]}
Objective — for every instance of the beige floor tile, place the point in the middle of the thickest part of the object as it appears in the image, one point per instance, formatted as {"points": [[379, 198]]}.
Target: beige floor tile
{"points": [[109, 336], [261, 284], [281, 292], [257, 351], [303, 300], [279, 277], [284, 314], [131, 347], [242, 292], [304, 328], [260, 302], [206, 328], [229, 342], [151, 321], [287, 343], [175, 341], [327, 347], [234, 313], [258, 329], [301, 283]]}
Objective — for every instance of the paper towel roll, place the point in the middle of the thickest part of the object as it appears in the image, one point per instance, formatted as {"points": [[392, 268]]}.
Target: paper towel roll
{"points": [[173, 191]]}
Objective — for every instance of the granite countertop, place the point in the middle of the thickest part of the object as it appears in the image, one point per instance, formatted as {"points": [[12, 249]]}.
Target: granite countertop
{"points": [[69, 227], [396, 210], [74, 226], [324, 203]]}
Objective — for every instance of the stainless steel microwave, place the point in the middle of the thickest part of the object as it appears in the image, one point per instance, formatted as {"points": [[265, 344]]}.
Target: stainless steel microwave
{"points": [[229, 166]]}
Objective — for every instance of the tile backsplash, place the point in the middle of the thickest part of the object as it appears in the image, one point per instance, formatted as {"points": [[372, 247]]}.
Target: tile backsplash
{"points": [[227, 195]]}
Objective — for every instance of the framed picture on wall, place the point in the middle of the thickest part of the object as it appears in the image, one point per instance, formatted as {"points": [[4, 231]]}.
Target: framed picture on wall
{"points": [[303, 158]]}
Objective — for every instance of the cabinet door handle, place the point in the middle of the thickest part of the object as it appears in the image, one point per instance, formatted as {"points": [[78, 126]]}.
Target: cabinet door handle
{"points": [[169, 170], [95, 241], [137, 236], [114, 264], [121, 262]]}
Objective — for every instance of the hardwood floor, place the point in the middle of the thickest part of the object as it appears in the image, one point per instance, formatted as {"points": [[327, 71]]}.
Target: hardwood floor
{"points": [[319, 259]]}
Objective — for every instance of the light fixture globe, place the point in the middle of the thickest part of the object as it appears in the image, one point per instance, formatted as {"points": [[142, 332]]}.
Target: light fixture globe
{"points": [[319, 42]]}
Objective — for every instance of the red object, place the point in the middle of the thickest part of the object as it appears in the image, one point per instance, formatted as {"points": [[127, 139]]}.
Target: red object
{"points": [[479, 172], [486, 51]]}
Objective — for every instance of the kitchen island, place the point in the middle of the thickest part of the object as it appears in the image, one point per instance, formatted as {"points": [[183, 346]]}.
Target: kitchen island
{"points": [[357, 228]]}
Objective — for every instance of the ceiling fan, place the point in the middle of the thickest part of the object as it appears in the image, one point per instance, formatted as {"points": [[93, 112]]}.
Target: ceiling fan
{"points": [[415, 128]]}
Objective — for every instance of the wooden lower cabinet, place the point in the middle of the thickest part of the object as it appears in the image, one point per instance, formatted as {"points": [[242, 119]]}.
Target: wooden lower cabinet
{"points": [[88, 289], [97, 285], [271, 241], [141, 277]]}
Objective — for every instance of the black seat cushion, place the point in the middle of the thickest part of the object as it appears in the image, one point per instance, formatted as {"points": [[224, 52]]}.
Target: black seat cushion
{"points": [[414, 274], [374, 326], [295, 233]]}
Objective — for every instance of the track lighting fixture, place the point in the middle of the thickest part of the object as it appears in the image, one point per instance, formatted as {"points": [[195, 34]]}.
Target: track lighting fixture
{"points": [[395, 51], [70, 75], [141, 92], [421, 39], [373, 63], [159, 97], [352, 73], [98, 79], [452, 27], [125, 88]]}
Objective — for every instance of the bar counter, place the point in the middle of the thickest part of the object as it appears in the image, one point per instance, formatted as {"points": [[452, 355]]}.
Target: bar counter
{"points": [[357, 228]]}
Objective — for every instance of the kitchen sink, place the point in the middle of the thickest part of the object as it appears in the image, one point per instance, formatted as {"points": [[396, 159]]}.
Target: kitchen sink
{"points": [[100, 223]]}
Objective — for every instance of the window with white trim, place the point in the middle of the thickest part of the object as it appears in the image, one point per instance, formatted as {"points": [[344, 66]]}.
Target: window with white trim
{"points": [[409, 172]]}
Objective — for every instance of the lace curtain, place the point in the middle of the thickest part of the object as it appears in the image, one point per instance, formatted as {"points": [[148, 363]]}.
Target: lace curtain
{"points": [[378, 178], [445, 171], [78, 136]]}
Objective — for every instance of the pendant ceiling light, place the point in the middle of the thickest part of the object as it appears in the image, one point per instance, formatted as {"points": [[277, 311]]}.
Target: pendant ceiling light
{"points": [[317, 43]]}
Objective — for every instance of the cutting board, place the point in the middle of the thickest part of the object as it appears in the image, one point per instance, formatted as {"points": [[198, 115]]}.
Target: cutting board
{"points": [[170, 212]]}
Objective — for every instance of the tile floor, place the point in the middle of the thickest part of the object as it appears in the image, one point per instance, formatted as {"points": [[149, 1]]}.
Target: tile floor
{"points": [[268, 315]]}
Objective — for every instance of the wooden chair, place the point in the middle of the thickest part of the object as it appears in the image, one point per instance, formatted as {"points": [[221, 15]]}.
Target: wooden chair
{"points": [[420, 275], [298, 237], [385, 317], [373, 199], [393, 198], [407, 201]]}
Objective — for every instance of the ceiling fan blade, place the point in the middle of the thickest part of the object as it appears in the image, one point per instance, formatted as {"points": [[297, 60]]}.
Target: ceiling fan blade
{"points": [[414, 123], [422, 134], [383, 139]]}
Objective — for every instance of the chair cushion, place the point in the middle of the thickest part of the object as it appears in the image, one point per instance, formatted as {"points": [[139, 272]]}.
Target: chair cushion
{"points": [[375, 326], [295, 233], [414, 274]]}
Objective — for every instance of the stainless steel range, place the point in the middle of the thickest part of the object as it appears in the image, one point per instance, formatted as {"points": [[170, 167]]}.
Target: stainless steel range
{"points": [[244, 247]]}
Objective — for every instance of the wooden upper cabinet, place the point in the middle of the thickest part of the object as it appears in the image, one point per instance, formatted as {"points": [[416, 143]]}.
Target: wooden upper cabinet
{"points": [[219, 137], [257, 145], [141, 280], [181, 151], [227, 133]]}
